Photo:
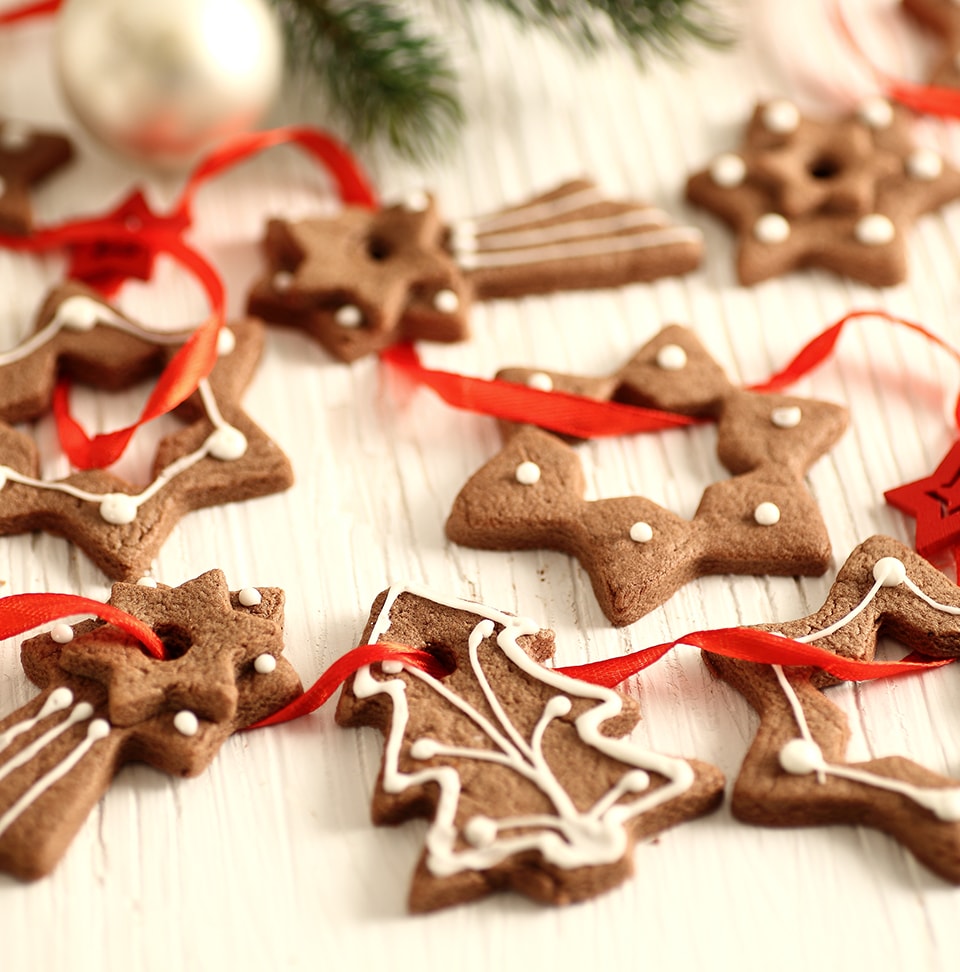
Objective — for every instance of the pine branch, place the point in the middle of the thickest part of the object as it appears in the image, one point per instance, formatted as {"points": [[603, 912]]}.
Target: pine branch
{"points": [[384, 77]]}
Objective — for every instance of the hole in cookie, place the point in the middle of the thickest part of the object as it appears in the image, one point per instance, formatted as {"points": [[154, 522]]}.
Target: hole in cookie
{"points": [[378, 248], [824, 167], [445, 658], [176, 641]]}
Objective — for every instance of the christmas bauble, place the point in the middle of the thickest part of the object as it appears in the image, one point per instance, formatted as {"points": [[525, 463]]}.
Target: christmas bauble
{"points": [[163, 80]]}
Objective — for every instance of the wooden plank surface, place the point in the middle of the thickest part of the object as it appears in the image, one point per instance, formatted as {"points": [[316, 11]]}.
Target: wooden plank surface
{"points": [[268, 860]]}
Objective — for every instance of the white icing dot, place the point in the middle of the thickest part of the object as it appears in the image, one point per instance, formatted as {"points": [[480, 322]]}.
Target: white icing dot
{"points": [[226, 342], [890, 571], [874, 229], [541, 381], [671, 357], [641, 532], [61, 633], [424, 749], [391, 667], [98, 729], [766, 514], [786, 417], [60, 698], [348, 316], [15, 136], [947, 804], [781, 116], [924, 164], [79, 313], [728, 170], [118, 508], [771, 228], [282, 280], [801, 756], [147, 582], [636, 781], [83, 710], [446, 301], [558, 706], [416, 201], [876, 112], [186, 723], [249, 597], [480, 831], [264, 664], [226, 443], [528, 473]]}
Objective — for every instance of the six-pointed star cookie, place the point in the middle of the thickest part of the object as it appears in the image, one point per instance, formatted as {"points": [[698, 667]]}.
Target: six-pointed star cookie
{"points": [[365, 279], [834, 194], [942, 17], [105, 703], [26, 157], [220, 456]]}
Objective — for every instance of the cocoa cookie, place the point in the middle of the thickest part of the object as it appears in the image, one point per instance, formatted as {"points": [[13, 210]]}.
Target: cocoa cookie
{"points": [[942, 19], [104, 702], [27, 157], [840, 194], [795, 773], [521, 770], [219, 456], [762, 521], [366, 279]]}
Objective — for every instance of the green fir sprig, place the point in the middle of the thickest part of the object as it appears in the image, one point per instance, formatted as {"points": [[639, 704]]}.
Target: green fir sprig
{"points": [[385, 77]]}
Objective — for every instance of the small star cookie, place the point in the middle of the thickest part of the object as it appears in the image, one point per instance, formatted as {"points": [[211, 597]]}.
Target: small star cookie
{"points": [[27, 157], [840, 194]]}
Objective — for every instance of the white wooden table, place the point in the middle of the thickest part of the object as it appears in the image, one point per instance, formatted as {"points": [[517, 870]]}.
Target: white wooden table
{"points": [[268, 860]]}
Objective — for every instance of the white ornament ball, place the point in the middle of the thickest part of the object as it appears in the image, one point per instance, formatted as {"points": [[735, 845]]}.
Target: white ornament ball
{"points": [[165, 80]]}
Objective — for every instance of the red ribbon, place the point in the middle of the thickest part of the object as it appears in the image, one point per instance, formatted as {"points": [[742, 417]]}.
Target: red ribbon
{"points": [[926, 99], [28, 10], [21, 612]]}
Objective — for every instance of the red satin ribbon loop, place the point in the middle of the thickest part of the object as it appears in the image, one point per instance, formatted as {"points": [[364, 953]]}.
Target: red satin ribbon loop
{"points": [[21, 612], [27, 11]]}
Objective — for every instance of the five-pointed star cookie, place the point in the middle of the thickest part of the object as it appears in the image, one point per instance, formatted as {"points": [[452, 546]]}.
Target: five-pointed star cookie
{"points": [[365, 279], [761, 521], [795, 773], [220, 456], [837, 194], [104, 703], [26, 158], [942, 18]]}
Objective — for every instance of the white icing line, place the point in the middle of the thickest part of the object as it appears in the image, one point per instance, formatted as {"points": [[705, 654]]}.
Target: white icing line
{"points": [[58, 700], [575, 229], [574, 251], [534, 212], [79, 713], [594, 837], [798, 713], [97, 730]]}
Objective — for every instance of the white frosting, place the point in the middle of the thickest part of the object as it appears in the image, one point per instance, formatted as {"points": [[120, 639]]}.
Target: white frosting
{"points": [[786, 416], [348, 316], [416, 201], [541, 381], [771, 228], [527, 473], [264, 664], [227, 444], [118, 508], [61, 633], [671, 357], [392, 666], [58, 700], [226, 342], [802, 755], [876, 112], [641, 532], [781, 116], [186, 723], [728, 170], [249, 597], [534, 212], [874, 229], [446, 301], [924, 164], [567, 837], [767, 514]]}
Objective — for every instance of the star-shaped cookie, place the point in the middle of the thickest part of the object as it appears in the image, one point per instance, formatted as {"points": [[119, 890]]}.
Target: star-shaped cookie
{"points": [[104, 703], [839, 194], [220, 456], [27, 156]]}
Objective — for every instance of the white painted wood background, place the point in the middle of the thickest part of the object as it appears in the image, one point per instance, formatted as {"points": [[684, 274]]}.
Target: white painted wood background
{"points": [[268, 861]]}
